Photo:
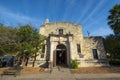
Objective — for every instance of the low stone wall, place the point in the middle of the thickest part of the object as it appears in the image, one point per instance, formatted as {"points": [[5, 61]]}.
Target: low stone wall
{"points": [[92, 63], [38, 63]]}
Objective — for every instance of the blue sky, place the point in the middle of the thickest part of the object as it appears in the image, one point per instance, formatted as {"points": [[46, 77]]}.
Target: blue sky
{"points": [[91, 14]]}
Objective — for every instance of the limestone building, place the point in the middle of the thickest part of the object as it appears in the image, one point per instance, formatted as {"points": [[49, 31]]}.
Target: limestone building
{"points": [[66, 43]]}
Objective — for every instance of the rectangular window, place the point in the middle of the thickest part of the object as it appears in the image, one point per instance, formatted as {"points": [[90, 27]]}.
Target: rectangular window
{"points": [[95, 54], [43, 48], [78, 48], [42, 55], [60, 31], [43, 51]]}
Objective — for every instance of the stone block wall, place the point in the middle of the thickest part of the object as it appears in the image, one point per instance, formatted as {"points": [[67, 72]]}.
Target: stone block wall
{"points": [[72, 28], [94, 43], [85, 58]]}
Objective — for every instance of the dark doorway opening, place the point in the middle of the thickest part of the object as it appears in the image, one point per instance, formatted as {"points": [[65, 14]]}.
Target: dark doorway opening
{"points": [[61, 55], [61, 58]]}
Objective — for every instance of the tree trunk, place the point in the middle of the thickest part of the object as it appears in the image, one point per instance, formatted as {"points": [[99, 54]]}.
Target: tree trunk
{"points": [[34, 60], [23, 61], [35, 57]]}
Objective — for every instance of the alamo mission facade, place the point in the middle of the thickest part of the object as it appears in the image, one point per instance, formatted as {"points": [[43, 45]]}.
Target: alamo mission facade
{"points": [[66, 43]]}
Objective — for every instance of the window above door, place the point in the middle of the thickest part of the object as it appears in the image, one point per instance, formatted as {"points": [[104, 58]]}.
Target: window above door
{"points": [[60, 31]]}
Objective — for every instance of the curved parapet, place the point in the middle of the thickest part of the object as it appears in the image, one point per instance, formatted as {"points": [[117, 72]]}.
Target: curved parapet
{"points": [[54, 27]]}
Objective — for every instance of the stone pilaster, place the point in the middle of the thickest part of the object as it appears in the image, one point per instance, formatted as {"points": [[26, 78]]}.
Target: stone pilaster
{"points": [[70, 48], [51, 51]]}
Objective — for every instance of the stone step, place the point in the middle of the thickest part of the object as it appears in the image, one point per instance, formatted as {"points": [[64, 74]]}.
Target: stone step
{"points": [[61, 71]]}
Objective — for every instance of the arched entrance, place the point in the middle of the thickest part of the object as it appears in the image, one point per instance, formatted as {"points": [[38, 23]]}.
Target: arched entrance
{"points": [[60, 55]]}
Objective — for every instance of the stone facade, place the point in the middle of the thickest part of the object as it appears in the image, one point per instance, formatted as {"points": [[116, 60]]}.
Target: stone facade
{"points": [[66, 40]]}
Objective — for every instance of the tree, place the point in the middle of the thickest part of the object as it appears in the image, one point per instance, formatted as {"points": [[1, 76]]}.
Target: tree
{"points": [[112, 42], [8, 39], [112, 45], [29, 43], [37, 42], [23, 42], [114, 19], [25, 33]]}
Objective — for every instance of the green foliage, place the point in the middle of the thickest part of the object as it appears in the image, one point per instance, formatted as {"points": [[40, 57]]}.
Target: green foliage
{"points": [[114, 19], [112, 42], [25, 41], [112, 45], [30, 41], [25, 33], [74, 64], [8, 39]]}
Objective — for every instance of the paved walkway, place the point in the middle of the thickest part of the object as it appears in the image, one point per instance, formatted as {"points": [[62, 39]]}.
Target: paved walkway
{"points": [[63, 74]]}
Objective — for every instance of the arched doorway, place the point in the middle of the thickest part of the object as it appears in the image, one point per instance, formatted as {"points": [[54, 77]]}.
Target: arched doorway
{"points": [[60, 55]]}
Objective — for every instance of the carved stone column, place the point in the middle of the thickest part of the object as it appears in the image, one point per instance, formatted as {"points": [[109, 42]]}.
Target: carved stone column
{"points": [[51, 52], [70, 49]]}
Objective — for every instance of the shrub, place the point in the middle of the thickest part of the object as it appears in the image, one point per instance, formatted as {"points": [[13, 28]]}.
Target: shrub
{"points": [[74, 64], [115, 62]]}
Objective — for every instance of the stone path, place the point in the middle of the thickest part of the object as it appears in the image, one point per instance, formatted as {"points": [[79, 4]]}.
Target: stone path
{"points": [[63, 74]]}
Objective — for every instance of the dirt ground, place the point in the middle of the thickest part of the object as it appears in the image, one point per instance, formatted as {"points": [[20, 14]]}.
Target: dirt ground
{"points": [[28, 70], [96, 70], [32, 70]]}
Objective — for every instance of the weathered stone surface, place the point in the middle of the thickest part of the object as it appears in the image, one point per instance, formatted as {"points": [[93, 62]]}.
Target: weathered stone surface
{"points": [[72, 35]]}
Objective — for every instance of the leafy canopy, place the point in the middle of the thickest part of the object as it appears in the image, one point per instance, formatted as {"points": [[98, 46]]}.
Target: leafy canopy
{"points": [[114, 19]]}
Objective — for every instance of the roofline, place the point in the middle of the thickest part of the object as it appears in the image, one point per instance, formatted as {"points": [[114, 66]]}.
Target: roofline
{"points": [[93, 37], [60, 22]]}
